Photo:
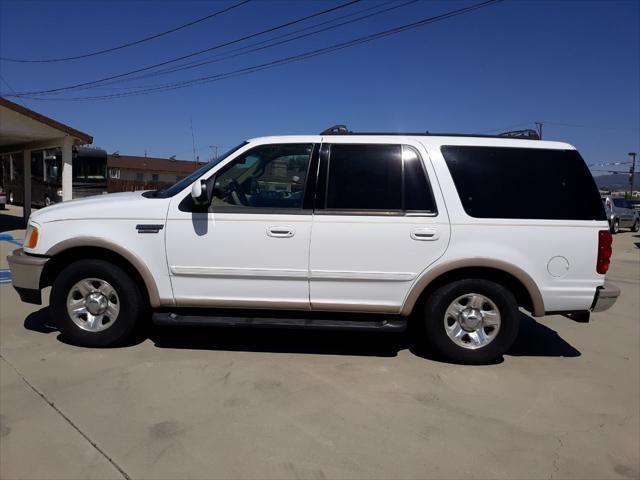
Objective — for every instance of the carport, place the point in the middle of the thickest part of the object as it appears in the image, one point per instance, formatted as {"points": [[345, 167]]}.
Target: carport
{"points": [[22, 130]]}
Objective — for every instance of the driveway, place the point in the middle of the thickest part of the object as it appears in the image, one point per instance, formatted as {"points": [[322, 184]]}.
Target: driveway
{"points": [[221, 403]]}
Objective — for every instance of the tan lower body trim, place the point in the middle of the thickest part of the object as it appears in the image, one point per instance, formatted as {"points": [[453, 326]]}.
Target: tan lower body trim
{"points": [[433, 273]]}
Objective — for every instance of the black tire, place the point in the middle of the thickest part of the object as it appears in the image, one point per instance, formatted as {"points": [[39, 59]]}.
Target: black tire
{"points": [[131, 303], [636, 226], [434, 321], [615, 227]]}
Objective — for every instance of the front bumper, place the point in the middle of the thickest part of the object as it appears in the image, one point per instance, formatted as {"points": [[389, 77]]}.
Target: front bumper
{"points": [[605, 297], [26, 271]]}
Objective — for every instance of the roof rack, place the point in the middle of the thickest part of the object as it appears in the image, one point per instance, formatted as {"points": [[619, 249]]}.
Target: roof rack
{"points": [[336, 130], [528, 133], [516, 134]]}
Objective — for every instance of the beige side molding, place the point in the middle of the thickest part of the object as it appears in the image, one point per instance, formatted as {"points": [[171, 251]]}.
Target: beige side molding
{"points": [[434, 273], [138, 264]]}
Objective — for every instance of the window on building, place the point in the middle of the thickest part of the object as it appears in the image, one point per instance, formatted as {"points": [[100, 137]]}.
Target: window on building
{"points": [[139, 177], [155, 177], [114, 173], [268, 176]]}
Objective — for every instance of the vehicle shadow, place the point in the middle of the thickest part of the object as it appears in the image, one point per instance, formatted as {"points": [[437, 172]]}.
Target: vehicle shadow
{"points": [[534, 340]]}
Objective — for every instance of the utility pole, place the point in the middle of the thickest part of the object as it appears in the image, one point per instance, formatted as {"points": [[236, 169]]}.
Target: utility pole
{"points": [[193, 143], [214, 149], [632, 173], [539, 125]]}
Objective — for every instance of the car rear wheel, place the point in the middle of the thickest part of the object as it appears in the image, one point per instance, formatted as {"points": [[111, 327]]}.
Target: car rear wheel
{"points": [[471, 321], [95, 303]]}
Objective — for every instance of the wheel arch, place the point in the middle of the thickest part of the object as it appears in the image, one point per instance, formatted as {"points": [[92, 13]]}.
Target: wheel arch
{"points": [[508, 275], [63, 253]]}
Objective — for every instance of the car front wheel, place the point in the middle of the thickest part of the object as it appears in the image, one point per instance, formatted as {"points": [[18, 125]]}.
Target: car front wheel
{"points": [[471, 321], [95, 303]]}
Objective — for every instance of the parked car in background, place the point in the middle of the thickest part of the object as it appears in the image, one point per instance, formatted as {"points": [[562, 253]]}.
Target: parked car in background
{"points": [[635, 204], [621, 214], [337, 230], [3, 198]]}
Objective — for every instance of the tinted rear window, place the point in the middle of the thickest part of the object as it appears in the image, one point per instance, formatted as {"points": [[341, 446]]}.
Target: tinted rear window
{"points": [[526, 183]]}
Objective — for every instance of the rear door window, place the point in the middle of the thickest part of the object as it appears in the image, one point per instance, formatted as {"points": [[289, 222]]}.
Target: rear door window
{"points": [[365, 177], [523, 183], [377, 178]]}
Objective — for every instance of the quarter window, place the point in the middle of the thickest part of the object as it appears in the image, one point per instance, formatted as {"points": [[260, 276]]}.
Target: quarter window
{"points": [[269, 176], [526, 183]]}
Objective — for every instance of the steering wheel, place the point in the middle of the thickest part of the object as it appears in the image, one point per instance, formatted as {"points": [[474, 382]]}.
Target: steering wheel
{"points": [[235, 190]]}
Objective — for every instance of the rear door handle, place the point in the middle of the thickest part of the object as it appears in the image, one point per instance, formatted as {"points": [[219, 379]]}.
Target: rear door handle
{"points": [[425, 234], [281, 231]]}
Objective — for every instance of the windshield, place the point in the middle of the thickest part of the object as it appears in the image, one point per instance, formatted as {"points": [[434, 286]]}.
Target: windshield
{"points": [[89, 169], [171, 190]]}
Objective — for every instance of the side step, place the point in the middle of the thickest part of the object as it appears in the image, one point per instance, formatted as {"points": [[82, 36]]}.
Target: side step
{"points": [[398, 324]]}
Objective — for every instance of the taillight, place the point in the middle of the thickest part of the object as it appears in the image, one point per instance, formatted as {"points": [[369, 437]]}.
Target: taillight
{"points": [[605, 239]]}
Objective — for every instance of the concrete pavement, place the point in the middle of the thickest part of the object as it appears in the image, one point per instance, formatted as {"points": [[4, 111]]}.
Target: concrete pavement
{"points": [[215, 403]]}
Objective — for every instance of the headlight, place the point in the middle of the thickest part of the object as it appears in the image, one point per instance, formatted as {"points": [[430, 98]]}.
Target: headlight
{"points": [[59, 192], [31, 237]]}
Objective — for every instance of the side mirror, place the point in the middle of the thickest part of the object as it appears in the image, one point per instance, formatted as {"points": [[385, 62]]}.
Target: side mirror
{"points": [[199, 192]]}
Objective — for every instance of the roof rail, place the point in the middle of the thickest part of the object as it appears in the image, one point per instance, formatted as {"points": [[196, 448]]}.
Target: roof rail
{"points": [[516, 134], [528, 134], [336, 130]]}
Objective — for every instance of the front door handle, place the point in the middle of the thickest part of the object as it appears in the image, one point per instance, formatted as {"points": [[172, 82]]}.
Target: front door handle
{"points": [[425, 234], [281, 231]]}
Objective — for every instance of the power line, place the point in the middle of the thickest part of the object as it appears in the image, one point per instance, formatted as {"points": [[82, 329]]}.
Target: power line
{"points": [[193, 54], [129, 44], [269, 44], [287, 60], [12, 90]]}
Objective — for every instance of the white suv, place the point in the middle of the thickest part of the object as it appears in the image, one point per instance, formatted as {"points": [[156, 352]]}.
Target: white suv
{"points": [[359, 231]]}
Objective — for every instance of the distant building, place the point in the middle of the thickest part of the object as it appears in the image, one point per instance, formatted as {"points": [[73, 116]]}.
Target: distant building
{"points": [[128, 172]]}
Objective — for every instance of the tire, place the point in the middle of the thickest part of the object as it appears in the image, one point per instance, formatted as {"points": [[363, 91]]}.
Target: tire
{"points": [[74, 285], [615, 228], [491, 298], [636, 226]]}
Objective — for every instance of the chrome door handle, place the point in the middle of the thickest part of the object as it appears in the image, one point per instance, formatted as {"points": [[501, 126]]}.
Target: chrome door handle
{"points": [[281, 231], [425, 234]]}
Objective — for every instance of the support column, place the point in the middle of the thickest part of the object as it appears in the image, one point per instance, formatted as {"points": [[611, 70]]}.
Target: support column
{"points": [[26, 170], [67, 168]]}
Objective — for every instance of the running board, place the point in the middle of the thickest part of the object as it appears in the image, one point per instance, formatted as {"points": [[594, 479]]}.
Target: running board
{"points": [[386, 324]]}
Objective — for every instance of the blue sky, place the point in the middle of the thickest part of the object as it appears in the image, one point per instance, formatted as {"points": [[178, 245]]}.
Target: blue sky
{"points": [[574, 65]]}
